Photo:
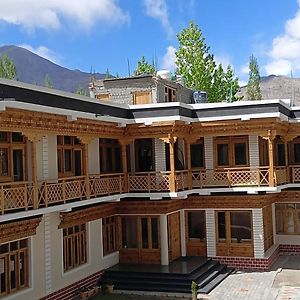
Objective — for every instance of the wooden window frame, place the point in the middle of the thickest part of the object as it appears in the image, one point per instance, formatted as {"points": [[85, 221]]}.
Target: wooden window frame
{"points": [[228, 239], [109, 235], [7, 268], [103, 96], [136, 94], [10, 146], [170, 94], [113, 145], [75, 241], [291, 151], [75, 145], [281, 212], [139, 144], [188, 238], [198, 142], [231, 141]]}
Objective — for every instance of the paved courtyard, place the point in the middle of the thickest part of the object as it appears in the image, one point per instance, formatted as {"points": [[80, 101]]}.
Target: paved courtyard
{"points": [[281, 283]]}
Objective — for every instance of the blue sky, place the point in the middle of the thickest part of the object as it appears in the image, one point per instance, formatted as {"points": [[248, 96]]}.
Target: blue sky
{"points": [[103, 34]]}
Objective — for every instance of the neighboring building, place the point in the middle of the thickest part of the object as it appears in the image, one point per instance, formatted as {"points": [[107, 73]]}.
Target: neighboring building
{"points": [[144, 89], [86, 184]]}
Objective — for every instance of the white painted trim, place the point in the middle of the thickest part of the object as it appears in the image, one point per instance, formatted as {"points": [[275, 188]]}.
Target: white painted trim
{"points": [[164, 248], [182, 233]]}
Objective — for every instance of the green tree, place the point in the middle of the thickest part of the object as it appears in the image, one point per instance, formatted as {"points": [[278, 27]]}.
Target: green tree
{"points": [[143, 67], [48, 82], [7, 68], [253, 88], [80, 90], [107, 74], [198, 67]]}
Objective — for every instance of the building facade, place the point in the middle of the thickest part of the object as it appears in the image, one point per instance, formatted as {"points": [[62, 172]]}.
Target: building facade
{"points": [[86, 184]]}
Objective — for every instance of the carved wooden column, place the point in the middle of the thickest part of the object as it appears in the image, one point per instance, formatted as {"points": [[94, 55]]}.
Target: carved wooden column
{"points": [[33, 138], [188, 162], [86, 140], [124, 143], [271, 137]]}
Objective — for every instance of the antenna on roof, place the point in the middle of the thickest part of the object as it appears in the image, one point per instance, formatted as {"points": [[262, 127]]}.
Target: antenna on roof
{"points": [[128, 67]]}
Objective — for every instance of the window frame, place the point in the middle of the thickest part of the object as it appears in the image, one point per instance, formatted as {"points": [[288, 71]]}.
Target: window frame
{"points": [[169, 94], [193, 239], [112, 145], [109, 231], [199, 142], [282, 211]]}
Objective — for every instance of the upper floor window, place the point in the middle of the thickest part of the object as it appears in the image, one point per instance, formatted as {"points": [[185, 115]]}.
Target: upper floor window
{"points": [[143, 97], [74, 246], [14, 264], [110, 156], [12, 156], [170, 94], [103, 96], [197, 154], [231, 152], [69, 156]]}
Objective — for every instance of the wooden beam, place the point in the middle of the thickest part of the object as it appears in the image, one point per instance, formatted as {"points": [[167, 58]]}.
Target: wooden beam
{"points": [[271, 137]]}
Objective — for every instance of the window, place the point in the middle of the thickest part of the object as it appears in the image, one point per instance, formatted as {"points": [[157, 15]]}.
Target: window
{"points": [[69, 156], [280, 154], [110, 156], [144, 157], [234, 226], [196, 225], [12, 151], [288, 218], [104, 97], [141, 97], [231, 151], [170, 94], [109, 235], [74, 246], [13, 266], [197, 154]]}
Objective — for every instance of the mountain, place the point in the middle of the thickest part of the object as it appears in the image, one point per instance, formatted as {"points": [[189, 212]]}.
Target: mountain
{"points": [[32, 68], [277, 87]]}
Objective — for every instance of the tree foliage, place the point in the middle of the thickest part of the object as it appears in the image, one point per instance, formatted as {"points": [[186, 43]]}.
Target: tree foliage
{"points": [[48, 82], [253, 88], [7, 68], [199, 70], [107, 74], [143, 67], [80, 90]]}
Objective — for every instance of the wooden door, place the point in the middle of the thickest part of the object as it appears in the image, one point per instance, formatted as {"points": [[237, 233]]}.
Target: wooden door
{"points": [[174, 236]]}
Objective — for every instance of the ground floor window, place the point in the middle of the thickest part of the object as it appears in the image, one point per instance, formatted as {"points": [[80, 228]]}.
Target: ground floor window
{"points": [[288, 218], [234, 226], [13, 266], [74, 246], [196, 225], [109, 235]]}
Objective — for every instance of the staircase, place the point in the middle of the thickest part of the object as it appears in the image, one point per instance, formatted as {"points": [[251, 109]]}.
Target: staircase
{"points": [[177, 279]]}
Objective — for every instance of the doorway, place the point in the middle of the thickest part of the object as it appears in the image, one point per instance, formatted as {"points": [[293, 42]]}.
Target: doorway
{"points": [[78, 162], [174, 236]]}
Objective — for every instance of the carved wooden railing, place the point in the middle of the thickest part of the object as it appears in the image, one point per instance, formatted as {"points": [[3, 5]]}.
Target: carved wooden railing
{"points": [[230, 177], [281, 175], [149, 181], [182, 180], [295, 173]]}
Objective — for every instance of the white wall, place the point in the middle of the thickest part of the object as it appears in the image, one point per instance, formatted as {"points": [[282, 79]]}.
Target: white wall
{"points": [[253, 151], [160, 155], [258, 232], [209, 152], [210, 232]]}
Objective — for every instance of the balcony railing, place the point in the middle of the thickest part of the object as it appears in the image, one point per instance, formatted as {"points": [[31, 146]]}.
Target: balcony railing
{"points": [[17, 196]]}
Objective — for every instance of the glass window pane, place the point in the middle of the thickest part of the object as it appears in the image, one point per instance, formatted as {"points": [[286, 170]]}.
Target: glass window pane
{"points": [[290, 221], [197, 156], [297, 153], [3, 136], [3, 162], [67, 140], [154, 231], [240, 154], [17, 137], [240, 226], [221, 226], [280, 155], [196, 225], [223, 154], [68, 160], [3, 268], [117, 160], [109, 160], [12, 268], [129, 233], [145, 239], [22, 268]]}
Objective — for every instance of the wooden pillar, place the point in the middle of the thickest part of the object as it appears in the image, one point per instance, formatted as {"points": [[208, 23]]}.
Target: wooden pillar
{"points": [[271, 137], [124, 143], [172, 166], [34, 175], [287, 161], [188, 163]]}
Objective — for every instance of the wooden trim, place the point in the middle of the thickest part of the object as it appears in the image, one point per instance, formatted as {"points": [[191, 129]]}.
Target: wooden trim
{"points": [[103, 96], [142, 97], [109, 225]]}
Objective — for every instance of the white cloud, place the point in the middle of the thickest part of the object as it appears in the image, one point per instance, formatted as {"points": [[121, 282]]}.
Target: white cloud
{"points": [[158, 9], [169, 59], [42, 51], [245, 69], [284, 56], [224, 60], [242, 83], [49, 14]]}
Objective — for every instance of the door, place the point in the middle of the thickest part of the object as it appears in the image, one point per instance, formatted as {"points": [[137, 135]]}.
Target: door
{"points": [[78, 162], [18, 164], [174, 236]]}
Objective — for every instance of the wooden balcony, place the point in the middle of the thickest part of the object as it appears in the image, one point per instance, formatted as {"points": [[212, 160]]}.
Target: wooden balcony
{"points": [[19, 196]]}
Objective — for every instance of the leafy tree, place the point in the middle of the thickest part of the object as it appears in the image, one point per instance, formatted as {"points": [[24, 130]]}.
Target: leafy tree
{"points": [[80, 90], [7, 68], [253, 88], [48, 82], [198, 67], [143, 67]]}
